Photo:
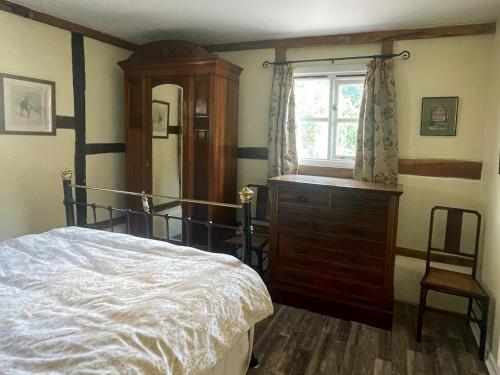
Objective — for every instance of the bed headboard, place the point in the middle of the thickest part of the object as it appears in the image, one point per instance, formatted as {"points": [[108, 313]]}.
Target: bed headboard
{"points": [[148, 214]]}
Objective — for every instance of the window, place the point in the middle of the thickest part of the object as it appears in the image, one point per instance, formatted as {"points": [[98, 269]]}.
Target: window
{"points": [[326, 113]]}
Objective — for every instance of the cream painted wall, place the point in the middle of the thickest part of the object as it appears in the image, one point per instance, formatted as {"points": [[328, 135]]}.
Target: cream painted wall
{"points": [[104, 112], [104, 95], [438, 67], [31, 190], [490, 260], [457, 66]]}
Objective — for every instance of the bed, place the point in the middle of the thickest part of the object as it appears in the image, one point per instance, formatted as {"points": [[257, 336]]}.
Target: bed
{"points": [[77, 300]]}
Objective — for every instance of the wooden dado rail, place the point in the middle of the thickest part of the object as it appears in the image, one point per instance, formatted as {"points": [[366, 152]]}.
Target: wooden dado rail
{"points": [[435, 257], [466, 169]]}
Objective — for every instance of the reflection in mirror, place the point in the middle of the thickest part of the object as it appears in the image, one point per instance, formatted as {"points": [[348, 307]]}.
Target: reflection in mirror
{"points": [[166, 116]]}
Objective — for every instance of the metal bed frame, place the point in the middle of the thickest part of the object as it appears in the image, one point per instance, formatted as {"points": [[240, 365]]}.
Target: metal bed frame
{"points": [[148, 214]]}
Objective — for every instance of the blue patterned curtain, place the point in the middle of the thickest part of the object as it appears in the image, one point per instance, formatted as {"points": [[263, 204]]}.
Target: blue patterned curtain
{"points": [[282, 147], [377, 141]]}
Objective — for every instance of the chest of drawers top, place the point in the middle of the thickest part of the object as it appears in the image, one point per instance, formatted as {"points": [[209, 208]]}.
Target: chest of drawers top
{"points": [[340, 183]]}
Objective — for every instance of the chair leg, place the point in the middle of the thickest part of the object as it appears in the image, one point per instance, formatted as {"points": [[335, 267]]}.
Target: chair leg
{"points": [[469, 310], [421, 310], [483, 325]]}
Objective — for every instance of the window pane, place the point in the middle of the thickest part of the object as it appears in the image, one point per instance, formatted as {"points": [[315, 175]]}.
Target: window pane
{"points": [[346, 139], [311, 97], [312, 140], [349, 100]]}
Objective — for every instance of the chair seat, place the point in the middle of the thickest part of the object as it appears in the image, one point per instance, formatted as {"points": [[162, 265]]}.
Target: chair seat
{"points": [[453, 282], [259, 240]]}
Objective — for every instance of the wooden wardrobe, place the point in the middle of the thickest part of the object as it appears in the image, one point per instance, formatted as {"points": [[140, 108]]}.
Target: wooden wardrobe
{"points": [[210, 121]]}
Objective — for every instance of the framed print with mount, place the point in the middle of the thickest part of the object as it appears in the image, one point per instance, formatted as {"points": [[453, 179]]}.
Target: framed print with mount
{"points": [[27, 106], [160, 115], [439, 116]]}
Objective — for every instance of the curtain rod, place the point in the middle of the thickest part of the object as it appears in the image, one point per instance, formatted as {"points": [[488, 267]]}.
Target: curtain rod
{"points": [[405, 54]]}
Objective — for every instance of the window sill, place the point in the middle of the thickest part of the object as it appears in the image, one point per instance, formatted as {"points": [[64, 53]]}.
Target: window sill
{"points": [[326, 171], [339, 163]]}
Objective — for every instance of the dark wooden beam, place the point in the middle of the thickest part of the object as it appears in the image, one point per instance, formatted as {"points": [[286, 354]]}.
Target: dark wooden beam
{"points": [[104, 148], [35, 15], [280, 54], [65, 122], [440, 258], [450, 168], [107, 223], [387, 47], [78, 63], [259, 153], [165, 206], [359, 38], [467, 169]]}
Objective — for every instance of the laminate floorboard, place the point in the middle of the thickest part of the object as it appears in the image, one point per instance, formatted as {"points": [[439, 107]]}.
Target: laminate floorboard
{"points": [[298, 342]]}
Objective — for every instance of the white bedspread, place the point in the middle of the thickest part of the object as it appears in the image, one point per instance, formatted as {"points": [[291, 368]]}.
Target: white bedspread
{"points": [[80, 301]]}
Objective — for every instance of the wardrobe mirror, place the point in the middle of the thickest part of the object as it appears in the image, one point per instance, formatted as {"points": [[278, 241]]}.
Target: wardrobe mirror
{"points": [[166, 117]]}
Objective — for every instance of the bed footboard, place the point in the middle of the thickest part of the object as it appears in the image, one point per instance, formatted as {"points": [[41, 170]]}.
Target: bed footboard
{"points": [[124, 216]]}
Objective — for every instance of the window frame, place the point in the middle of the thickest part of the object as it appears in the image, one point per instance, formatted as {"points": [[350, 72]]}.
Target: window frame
{"points": [[336, 75]]}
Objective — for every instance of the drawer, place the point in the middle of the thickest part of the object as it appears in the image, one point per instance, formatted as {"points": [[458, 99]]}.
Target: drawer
{"points": [[358, 216], [304, 197], [327, 223], [328, 241], [328, 286], [313, 252], [360, 201], [333, 271]]}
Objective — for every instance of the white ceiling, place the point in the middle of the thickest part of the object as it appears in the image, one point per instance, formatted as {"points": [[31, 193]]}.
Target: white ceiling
{"points": [[221, 21]]}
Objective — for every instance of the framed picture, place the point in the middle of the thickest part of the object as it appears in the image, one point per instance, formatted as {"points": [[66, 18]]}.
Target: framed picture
{"points": [[27, 105], [439, 116], [160, 115]]}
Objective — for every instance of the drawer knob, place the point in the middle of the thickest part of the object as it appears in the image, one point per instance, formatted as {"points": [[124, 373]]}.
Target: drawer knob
{"points": [[302, 198]]}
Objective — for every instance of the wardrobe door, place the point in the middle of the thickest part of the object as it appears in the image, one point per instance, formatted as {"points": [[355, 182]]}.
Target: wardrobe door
{"points": [[138, 148], [199, 150]]}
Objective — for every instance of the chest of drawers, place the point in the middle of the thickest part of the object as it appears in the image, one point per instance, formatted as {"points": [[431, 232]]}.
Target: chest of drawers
{"points": [[332, 246]]}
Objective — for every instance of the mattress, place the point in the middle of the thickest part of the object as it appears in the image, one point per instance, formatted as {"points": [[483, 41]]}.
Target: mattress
{"points": [[76, 300]]}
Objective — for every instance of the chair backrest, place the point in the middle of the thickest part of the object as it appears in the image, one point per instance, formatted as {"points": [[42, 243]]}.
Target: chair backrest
{"points": [[451, 252], [259, 202]]}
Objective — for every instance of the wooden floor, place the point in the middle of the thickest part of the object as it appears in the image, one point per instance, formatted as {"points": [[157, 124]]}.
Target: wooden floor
{"points": [[295, 341]]}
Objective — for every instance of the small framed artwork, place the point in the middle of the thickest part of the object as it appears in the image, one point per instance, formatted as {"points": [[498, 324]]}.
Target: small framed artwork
{"points": [[439, 116], [27, 105], [160, 115]]}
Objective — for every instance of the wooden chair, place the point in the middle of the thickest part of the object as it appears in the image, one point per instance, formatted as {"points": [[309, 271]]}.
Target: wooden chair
{"points": [[452, 282], [260, 235]]}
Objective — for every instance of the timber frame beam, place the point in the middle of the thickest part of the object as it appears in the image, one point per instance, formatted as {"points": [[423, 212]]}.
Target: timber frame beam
{"points": [[359, 38], [309, 41], [35, 15]]}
